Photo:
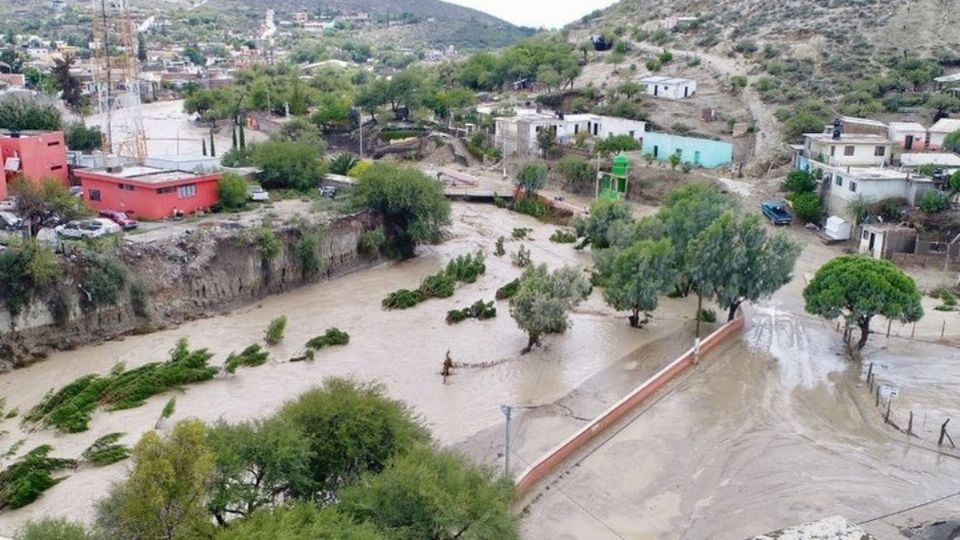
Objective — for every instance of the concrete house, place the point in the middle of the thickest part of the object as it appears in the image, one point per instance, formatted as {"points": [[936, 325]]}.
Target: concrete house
{"points": [[881, 241], [33, 156], [692, 150], [848, 149], [148, 192], [939, 131], [907, 136], [948, 162], [669, 87], [518, 134], [862, 126]]}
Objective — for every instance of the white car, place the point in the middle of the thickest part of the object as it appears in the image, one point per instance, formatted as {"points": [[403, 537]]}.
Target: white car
{"points": [[87, 228], [10, 221], [258, 194]]}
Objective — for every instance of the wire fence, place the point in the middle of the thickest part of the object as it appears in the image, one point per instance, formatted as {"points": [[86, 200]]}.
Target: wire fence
{"points": [[903, 419]]}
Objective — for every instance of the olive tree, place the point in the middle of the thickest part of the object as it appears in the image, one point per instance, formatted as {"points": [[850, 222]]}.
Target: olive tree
{"points": [[638, 276], [604, 214], [733, 261], [532, 177], [859, 288], [544, 299]]}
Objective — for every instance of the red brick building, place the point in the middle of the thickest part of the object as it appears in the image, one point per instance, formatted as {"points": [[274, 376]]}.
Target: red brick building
{"points": [[148, 192], [35, 156]]}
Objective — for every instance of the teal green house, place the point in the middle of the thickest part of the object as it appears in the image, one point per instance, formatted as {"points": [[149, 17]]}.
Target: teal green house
{"points": [[697, 152]]}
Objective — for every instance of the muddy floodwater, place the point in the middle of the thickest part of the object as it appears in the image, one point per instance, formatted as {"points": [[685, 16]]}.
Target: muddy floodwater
{"points": [[402, 349]]}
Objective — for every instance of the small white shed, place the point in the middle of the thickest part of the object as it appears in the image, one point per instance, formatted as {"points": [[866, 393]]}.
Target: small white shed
{"points": [[837, 228], [908, 135], [669, 87]]}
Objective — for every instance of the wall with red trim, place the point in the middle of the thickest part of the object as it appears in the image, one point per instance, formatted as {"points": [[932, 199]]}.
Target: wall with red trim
{"points": [[553, 459]]}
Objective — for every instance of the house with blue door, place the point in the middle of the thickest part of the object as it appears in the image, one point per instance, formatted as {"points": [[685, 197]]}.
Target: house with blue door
{"points": [[695, 151]]}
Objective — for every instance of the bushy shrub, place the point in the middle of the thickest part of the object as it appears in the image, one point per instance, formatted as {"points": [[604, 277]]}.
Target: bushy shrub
{"points": [[707, 315], [308, 253], [808, 207], [520, 233], [563, 237], [499, 250], [522, 258], [25, 479], [467, 268], [105, 277], [48, 528], [578, 173], [275, 329], [140, 298], [333, 336], [478, 310], [402, 299], [233, 191], [373, 242], [106, 450], [343, 163], [439, 285], [507, 291], [252, 356], [933, 202], [532, 206]]}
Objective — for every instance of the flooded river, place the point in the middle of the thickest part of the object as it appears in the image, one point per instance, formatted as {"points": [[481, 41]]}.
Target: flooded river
{"points": [[401, 349]]}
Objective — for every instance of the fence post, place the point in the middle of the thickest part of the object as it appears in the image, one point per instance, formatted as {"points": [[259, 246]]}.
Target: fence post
{"points": [[914, 331], [889, 323], [910, 424], [943, 328], [877, 404], [943, 432], [870, 373], [886, 417]]}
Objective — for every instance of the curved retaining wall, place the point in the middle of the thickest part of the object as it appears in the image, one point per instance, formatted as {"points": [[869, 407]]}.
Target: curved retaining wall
{"points": [[553, 459]]}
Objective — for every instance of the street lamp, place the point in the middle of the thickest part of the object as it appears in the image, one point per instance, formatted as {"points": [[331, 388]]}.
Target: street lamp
{"points": [[507, 411]]}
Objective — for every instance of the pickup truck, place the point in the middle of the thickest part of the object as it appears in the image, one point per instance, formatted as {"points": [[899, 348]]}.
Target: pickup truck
{"points": [[776, 212]]}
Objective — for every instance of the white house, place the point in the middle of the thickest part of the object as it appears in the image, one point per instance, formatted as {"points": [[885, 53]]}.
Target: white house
{"points": [[669, 87], [847, 149], [518, 134], [881, 241], [939, 131], [907, 136], [843, 185], [949, 162]]}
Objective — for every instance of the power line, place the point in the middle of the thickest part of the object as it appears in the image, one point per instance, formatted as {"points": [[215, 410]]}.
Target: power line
{"points": [[914, 507]]}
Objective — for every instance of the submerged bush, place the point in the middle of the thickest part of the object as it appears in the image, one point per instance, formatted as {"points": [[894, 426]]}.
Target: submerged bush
{"points": [[563, 237], [106, 450], [275, 330], [333, 336], [402, 299], [464, 268], [507, 291], [25, 479], [439, 285], [252, 356], [478, 310]]}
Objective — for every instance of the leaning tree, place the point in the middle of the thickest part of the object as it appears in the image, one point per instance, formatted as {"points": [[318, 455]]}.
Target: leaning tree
{"points": [[859, 288]]}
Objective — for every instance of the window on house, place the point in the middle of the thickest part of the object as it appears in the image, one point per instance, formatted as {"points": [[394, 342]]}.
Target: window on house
{"points": [[189, 190], [880, 151], [853, 187], [56, 167], [838, 180], [163, 190], [125, 187], [94, 194], [54, 143], [633, 134], [833, 151], [849, 150]]}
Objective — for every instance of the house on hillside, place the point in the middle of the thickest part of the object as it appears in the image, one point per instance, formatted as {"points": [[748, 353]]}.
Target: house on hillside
{"points": [[146, 192], [692, 150], [841, 149], [939, 131], [907, 136], [862, 126], [946, 161], [518, 134], [669, 87]]}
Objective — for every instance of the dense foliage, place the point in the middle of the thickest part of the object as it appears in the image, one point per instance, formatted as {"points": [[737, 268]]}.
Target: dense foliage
{"points": [[544, 299]]}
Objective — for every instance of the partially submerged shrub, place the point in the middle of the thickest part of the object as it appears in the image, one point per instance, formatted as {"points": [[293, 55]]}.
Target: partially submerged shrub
{"points": [[275, 330], [522, 258], [402, 299], [25, 479], [252, 356], [507, 291], [707, 315], [478, 310], [520, 233], [106, 450], [563, 237], [439, 285], [499, 250], [467, 268], [333, 336]]}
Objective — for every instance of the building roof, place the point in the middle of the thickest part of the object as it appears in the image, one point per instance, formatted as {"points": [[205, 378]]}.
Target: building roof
{"points": [[863, 121], [907, 126], [660, 79], [849, 138], [946, 125], [143, 174], [932, 158]]}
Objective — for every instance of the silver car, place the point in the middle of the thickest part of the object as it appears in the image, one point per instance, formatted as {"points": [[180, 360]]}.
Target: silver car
{"points": [[87, 228]]}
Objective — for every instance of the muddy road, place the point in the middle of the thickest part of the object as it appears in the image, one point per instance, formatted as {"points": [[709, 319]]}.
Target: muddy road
{"points": [[401, 349]]}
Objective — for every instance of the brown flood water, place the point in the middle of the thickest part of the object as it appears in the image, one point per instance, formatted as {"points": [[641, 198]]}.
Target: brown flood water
{"points": [[401, 349]]}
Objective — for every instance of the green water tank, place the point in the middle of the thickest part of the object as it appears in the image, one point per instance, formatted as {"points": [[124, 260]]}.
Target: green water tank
{"points": [[621, 165]]}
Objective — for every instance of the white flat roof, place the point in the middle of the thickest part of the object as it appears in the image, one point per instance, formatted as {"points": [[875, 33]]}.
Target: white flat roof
{"points": [[946, 125], [851, 138], [874, 173], [907, 126], [862, 121], [660, 79], [918, 159]]}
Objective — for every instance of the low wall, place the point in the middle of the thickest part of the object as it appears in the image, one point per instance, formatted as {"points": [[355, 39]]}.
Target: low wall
{"points": [[547, 464]]}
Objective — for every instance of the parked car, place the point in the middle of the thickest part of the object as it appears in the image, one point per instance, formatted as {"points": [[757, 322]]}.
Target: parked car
{"points": [[77, 191], [120, 218], [10, 222], [87, 228], [8, 205], [258, 194], [776, 212]]}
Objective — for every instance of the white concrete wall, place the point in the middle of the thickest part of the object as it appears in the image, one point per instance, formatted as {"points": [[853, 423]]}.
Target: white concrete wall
{"points": [[672, 90], [899, 136], [863, 153]]}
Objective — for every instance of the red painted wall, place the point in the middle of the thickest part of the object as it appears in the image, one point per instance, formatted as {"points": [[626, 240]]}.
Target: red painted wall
{"points": [[145, 201], [41, 157]]}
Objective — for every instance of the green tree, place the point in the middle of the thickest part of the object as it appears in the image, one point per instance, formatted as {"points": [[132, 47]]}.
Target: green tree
{"points": [[532, 177], [68, 84], [291, 165], [614, 144], [954, 183], [27, 270], [800, 181], [604, 214], [81, 138], [298, 520], [301, 131], [808, 207], [951, 143], [942, 104], [733, 261], [859, 288], [164, 495], [258, 464], [27, 113], [543, 301], [639, 275], [933, 202], [232, 189], [578, 173], [352, 429], [674, 161], [41, 204], [411, 204], [438, 494]]}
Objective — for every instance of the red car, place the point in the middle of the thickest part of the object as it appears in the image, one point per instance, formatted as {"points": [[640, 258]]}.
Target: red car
{"points": [[125, 222]]}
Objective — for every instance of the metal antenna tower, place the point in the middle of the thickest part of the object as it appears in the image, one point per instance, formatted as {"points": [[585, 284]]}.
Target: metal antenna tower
{"points": [[116, 71]]}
